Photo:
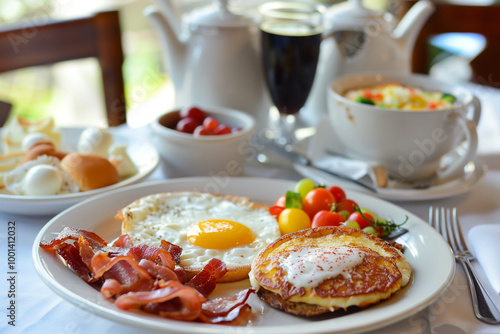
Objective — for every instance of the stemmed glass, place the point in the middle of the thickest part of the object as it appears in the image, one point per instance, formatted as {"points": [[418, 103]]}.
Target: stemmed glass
{"points": [[290, 40]]}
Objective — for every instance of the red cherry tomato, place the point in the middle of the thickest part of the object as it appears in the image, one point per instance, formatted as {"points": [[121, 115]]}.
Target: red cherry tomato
{"points": [[316, 200], [346, 205], [276, 210], [338, 193], [210, 123], [222, 129], [194, 113], [281, 201], [356, 216], [186, 125], [201, 131], [327, 218]]}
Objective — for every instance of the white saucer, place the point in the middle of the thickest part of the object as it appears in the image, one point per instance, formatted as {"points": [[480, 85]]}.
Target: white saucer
{"points": [[325, 139]]}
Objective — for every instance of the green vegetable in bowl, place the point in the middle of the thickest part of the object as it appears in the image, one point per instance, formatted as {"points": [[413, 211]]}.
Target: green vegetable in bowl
{"points": [[364, 100], [448, 98]]}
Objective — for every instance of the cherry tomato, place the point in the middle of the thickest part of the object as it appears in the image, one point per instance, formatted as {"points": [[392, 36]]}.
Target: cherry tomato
{"points": [[201, 131], [281, 201], [276, 210], [356, 216], [210, 123], [327, 218], [194, 113], [346, 205], [304, 186], [186, 125], [222, 129], [293, 220], [338, 193], [316, 200]]}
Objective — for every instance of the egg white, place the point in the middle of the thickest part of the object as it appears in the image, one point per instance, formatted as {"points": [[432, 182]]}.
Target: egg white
{"points": [[167, 217], [15, 180]]}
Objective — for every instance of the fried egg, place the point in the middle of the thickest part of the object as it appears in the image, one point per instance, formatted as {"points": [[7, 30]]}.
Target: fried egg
{"points": [[206, 226], [324, 269]]}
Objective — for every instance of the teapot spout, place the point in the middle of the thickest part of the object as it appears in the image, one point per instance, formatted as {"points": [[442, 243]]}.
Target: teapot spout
{"points": [[173, 49], [410, 25]]}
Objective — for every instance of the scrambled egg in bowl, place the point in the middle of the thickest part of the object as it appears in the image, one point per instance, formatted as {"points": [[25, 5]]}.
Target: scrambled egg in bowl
{"points": [[397, 96]]}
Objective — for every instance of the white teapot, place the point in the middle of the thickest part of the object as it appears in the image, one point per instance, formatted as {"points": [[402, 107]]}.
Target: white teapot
{"points": [[212, 57], [358, 40]]}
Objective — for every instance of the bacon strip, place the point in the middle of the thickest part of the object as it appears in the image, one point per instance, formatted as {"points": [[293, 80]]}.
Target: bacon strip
{"points": [[155, 254], [205, 280], [238, 316], [71, 233], [174, 250], [71, 255], [231, 310], [188, 309], [158, 271], [123, 241], [222, 306]]}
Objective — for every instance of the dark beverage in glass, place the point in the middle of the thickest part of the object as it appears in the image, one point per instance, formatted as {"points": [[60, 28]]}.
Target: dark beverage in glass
{"points": [[290, 52], [290, 43]]}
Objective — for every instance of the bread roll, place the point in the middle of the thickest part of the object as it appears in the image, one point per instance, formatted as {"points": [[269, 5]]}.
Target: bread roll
{"points": [[44, 148], [90, 171]]}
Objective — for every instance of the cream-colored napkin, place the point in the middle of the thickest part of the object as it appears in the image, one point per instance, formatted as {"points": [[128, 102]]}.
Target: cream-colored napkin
{"points": [[485, 244]]}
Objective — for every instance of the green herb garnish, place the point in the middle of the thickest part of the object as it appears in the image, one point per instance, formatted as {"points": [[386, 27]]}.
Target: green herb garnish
{"points": [[293, 200], [388, 226]]}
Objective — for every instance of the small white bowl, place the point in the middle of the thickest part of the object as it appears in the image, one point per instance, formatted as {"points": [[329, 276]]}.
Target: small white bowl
{"points": [[184, 154]]}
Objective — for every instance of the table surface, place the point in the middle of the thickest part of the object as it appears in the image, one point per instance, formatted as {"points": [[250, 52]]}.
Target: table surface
{"points": [[40, 310]]}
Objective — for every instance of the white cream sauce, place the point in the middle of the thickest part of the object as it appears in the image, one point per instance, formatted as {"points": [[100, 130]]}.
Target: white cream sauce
{"points": [[309, 267]]}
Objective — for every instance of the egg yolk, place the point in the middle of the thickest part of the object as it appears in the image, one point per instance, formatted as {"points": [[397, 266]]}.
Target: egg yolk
{"points": [[219, 234]]}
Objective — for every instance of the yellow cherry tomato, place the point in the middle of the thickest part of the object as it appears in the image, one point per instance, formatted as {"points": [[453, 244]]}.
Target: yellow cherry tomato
{"points": [[293, 220]]}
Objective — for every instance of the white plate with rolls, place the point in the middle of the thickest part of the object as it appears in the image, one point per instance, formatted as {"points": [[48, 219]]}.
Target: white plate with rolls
{"points": [[142, 153]]}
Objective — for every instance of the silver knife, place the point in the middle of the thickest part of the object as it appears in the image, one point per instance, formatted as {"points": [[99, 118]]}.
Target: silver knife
{"points": [[305, 161]]}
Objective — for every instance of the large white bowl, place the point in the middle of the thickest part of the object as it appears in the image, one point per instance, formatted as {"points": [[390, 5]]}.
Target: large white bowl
{"points": [[409, 143], [220, 155]]}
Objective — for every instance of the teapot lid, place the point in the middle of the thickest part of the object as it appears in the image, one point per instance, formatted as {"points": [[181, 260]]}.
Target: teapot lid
{"points": [[353, 14], [218, 15]]}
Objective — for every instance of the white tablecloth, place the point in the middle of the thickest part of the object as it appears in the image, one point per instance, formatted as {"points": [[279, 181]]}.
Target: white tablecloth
{"points": [[39, 310]]}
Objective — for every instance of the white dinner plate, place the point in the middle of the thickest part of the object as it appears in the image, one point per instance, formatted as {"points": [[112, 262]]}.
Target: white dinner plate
{"points": [[142, 153], [430, 257]]}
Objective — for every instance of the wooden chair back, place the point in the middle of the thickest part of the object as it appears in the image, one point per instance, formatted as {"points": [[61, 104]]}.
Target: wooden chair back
{"points": [[449, 17], [97, 36]]}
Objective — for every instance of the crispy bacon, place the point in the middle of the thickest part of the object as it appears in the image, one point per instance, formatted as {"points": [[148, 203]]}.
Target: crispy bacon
{"points": [[174, 250], [205, 280], [71, 233], [147, 278], [188, 306], [231, 310], [221, 306], [157, 271], [71, 255], [239, 316], [123, 241], [155, 254], [123, 269]]}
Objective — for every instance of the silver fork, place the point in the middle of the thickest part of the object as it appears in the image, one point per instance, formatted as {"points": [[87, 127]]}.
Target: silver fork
{"points": [[445, 221]]}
